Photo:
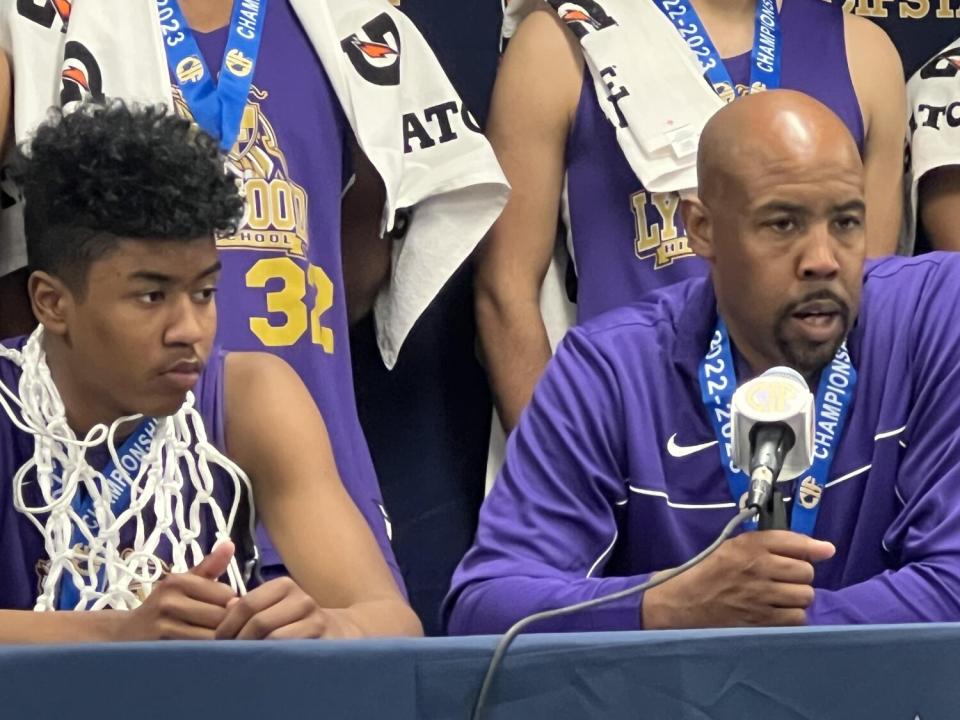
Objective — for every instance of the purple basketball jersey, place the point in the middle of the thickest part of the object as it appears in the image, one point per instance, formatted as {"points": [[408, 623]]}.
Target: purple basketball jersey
{"points": [[628, 241], [282, 283], [23, 559]]}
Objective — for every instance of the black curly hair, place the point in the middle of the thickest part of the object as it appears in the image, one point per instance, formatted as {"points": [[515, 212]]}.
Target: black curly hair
{"points": [[94, 177]]}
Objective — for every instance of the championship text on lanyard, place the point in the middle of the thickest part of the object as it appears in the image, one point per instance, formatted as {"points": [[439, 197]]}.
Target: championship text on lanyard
{"points": [[718, 381], [118, 475], [216, 105], [764, 57]]}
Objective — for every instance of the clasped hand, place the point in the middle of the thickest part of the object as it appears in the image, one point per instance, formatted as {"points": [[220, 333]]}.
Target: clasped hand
{"points": [[195, 606]]}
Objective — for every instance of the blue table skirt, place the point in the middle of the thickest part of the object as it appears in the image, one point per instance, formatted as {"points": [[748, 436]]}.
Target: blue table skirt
{"points": [[897, 672]]}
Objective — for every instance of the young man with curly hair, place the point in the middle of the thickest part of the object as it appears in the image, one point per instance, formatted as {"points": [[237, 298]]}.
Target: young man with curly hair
{"points": [[122, 210]]}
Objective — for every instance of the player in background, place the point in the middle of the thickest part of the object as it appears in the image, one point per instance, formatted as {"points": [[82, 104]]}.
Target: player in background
{"points": [[934, 158]]}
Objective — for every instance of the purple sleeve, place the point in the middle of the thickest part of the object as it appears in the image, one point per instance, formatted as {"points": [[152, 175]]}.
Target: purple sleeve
{"points": [[923, 584], [548, 526]]}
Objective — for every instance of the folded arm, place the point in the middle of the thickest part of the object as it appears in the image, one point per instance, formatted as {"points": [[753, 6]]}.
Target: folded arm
{"points": [[276, 433]]}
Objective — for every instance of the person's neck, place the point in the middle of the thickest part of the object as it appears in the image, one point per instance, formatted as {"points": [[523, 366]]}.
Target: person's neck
{"points": [[729, 24], [721, 8], [84, 408], [206, 15]]}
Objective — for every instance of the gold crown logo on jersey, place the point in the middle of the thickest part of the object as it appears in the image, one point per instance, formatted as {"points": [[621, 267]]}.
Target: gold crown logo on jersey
{"points": [[238, 64], [190, 70]]}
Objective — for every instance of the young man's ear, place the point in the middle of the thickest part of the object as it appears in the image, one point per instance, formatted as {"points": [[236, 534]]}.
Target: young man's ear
{"points": [[51, 301], [698, 226]]}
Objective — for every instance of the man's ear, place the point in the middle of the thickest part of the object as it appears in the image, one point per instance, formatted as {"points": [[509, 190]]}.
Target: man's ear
{"points": [[698, 225], [51, 301]]}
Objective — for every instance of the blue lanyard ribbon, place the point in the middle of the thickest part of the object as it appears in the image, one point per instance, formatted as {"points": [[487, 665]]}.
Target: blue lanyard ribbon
{"points": [[133, 449], [216, 106], [718, 381], [764, 58]]}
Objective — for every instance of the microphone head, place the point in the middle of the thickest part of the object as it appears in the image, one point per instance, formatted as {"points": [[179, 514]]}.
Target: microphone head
{"points": [[780, 395]]}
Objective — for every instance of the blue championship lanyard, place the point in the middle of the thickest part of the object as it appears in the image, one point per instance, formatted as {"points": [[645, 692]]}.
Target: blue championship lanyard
{"points": [[129, 455], [718, 381], [217, 106], [764, 58]]}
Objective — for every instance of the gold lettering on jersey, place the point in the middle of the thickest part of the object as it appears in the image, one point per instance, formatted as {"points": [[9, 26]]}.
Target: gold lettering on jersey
{"points": [[904, 9], [810, 493], [275, 216], [659, 239], [297, 293]]}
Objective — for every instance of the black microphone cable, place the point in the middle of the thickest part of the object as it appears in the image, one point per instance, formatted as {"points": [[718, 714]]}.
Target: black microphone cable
{"points": [[508, 637]]}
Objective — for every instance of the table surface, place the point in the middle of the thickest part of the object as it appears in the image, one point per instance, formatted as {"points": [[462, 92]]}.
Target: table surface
{"points": [[907, 672]]}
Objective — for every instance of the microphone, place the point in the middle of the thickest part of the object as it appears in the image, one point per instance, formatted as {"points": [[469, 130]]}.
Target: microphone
{"points": [[772, 419]]}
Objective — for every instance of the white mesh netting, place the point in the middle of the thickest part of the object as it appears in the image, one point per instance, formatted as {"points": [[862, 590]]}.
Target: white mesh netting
{"points": [[160, 519]]}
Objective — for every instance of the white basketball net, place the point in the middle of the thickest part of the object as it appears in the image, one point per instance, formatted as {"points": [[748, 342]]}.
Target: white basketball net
{"points": [[179, 457]]}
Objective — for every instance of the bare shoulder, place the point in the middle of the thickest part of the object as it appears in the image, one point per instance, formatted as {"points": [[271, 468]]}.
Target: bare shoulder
{"points": [[253, 369], [876, 71], [869, 47], [261, 383], [267, 410], [543, 30], [543, 64]]}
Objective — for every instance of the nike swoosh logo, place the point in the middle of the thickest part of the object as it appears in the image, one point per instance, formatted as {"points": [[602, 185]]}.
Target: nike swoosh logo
{"points": [[679, 451]]}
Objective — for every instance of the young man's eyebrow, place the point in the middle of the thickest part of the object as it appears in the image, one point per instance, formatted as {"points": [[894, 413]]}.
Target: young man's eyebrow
{"points": [[153, 277], [215, 268], [162, 279]]}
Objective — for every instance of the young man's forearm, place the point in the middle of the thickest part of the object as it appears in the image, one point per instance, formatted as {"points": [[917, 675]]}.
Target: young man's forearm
{"points": [[516, 351], [28, 627], [385, 618]]}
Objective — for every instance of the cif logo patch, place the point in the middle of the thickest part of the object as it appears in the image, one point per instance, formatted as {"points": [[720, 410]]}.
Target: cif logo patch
{"points": [[375, 57], [189, 70], [583, 16], [810, 493], [946, 64], [238, 64], [725, 91], [80, 76], [46, 12]]}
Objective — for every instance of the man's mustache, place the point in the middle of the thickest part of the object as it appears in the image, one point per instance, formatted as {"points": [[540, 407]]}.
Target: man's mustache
{"points": [[823, 295]]}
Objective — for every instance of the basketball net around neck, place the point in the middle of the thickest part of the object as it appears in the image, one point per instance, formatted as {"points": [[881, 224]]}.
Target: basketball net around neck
{"points": [[179, 457]]}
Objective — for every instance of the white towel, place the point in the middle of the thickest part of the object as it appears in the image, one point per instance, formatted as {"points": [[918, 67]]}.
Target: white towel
{"points": [[454, 186], [633, 53], [933, 101]]}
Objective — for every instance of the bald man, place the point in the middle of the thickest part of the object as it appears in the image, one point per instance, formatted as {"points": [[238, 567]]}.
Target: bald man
{"points": [[615, 471]]}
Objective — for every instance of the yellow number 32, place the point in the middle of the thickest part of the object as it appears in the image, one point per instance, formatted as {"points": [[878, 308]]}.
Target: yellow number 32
{"points": [[290, 301]]}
